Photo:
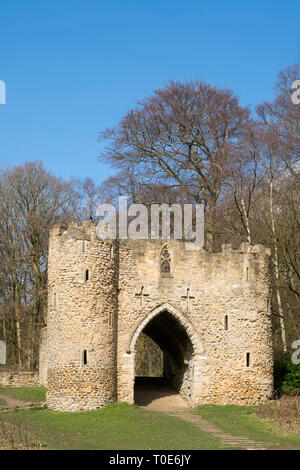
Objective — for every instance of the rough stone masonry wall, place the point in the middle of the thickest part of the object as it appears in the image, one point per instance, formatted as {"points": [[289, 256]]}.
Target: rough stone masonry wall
{"points": [[104, 316], [19, 379], [233, 283], [82, 316], [180, 377], [43, 358]]}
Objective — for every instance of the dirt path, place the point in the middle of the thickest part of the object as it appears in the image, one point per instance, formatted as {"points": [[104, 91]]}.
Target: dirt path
{"points": [[153, 394], [12, 403], [227, 440]]}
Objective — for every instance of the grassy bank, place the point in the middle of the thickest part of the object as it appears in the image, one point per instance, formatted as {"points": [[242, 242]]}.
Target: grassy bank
{"points": [[117, 426], [28, 394], [275, 425], [253, 422]]}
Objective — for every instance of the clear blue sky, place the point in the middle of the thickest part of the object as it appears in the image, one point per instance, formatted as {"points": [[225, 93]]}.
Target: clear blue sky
{"points": [[74, 67]]}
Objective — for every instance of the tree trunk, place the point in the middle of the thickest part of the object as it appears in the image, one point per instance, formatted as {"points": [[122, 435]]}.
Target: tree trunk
{"points": [[276, 268]]}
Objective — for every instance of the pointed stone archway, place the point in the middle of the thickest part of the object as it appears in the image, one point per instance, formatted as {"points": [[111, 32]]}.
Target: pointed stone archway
{"points": [[182, 348]]}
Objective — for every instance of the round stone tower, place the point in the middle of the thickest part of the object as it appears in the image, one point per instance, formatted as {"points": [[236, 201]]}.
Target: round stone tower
{"points": [[81, 326]]}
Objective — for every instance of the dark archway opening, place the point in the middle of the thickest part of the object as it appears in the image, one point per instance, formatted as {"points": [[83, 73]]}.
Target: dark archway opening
{"points": [[163, 360]]}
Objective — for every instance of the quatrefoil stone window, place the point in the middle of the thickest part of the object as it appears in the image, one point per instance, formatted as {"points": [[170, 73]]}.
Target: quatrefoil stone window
{"points": [[165, 261]]}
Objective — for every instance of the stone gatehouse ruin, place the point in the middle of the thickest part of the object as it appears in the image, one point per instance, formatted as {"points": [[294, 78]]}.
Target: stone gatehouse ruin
{"points": [[208, 312]]}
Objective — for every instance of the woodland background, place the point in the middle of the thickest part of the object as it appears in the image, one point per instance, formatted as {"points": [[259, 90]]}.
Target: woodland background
{"points": [[188, 142]]}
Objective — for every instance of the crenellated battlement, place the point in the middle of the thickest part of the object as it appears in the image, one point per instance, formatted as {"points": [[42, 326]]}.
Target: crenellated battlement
{"points": [[73, 230], [87, 231], [65, 238]]}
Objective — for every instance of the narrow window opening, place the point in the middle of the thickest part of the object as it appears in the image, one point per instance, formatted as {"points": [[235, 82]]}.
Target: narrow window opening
{"points": [[268, 305], [226, 322], [165, 260], [247, 274], [87, 275], [111, 252], [110, 319], [85, 357], [247, 359]]}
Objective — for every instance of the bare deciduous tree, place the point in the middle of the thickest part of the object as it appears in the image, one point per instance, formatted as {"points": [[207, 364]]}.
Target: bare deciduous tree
{"points": [[31, 201], [185, 134]]}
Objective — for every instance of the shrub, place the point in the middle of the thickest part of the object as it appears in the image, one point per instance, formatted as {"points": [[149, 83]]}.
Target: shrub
{"points": [[285, 412], [281, 369], [291, 382]]}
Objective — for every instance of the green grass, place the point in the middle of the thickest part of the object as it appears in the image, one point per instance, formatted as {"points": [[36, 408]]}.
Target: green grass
{"points": [[2, 402], [122, 426], [117, 426], [244, 421], [29, 394]]}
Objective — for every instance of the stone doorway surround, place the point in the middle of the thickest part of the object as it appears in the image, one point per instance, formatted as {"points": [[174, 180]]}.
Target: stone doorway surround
{"points": [[198, 351]]}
